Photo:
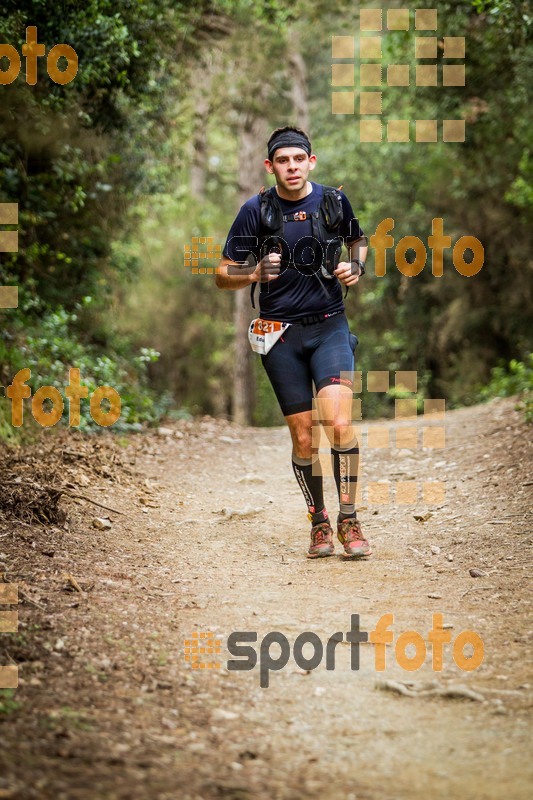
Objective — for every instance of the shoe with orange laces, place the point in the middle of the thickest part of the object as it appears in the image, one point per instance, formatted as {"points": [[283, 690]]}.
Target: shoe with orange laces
{"points": [[321, 541], [349, 534]]}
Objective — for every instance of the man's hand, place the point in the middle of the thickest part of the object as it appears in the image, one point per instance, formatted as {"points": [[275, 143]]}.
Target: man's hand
{"points": [[268, 268], [345, 274]]}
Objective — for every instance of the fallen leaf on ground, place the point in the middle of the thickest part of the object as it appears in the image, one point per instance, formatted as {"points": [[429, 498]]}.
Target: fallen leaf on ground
{"points": [[423, 517]]}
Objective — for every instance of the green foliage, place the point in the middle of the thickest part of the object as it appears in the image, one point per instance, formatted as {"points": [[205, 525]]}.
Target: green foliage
{"points": [[450, 329], [76, 158], [514, 378], [52, 346], [520, 192], [7, 704], [72, 183]]}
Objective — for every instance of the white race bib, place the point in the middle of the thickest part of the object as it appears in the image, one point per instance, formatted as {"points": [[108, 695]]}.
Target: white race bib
{"points": [[264, 333]]}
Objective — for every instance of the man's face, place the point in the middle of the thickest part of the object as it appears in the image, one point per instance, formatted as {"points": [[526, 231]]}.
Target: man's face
{"points": [[291, 166]]}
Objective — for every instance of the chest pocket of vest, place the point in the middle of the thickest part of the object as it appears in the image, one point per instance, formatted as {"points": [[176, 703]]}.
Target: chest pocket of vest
{"points": [[271, 213], [330, 209], [328, 220]]}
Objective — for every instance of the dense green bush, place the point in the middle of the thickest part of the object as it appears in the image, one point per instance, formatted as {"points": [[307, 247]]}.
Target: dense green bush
{"points": [[53, 345], [514, 378]]}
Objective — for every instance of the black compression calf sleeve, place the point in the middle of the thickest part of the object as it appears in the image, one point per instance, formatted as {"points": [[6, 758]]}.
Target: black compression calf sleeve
{"points": [[309, 476], [345, 469]]}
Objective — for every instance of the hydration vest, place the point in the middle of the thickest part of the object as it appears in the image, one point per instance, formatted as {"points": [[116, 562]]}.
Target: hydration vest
{"points": [[326, 243]]}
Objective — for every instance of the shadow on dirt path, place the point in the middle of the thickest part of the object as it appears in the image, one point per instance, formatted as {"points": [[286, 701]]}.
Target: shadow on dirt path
{"points": [[212, 538]]}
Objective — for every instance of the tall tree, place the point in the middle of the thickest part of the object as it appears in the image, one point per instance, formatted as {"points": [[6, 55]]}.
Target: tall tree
{"points": [[251, 173], [298, 80]]}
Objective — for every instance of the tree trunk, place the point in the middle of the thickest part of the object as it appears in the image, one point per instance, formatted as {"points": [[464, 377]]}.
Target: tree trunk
{"points": [[298, 77], [202, 106], [199, 145], [252, 141]]}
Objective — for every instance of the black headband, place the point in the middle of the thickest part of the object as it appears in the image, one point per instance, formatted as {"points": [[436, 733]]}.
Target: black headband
{"points": [[289, 139]]}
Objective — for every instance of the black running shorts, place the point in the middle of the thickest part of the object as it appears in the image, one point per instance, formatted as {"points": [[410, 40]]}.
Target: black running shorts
{"points": [[318, 353]]}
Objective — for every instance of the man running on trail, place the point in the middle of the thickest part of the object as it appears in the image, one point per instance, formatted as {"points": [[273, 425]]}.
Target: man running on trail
{"points": [[288, 240]]}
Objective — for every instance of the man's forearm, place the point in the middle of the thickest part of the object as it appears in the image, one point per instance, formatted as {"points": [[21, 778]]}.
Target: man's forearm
{"points": [[234, 276], [358, 250]]}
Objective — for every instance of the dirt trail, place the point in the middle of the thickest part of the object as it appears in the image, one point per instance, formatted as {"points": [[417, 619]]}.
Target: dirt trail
{"points": [[110, 709]]}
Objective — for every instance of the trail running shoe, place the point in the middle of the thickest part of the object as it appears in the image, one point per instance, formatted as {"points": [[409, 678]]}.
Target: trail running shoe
{"points": [[321, 541], [349, 534]]}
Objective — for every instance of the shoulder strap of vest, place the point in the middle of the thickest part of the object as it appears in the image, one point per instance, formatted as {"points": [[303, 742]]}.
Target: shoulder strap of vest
{"points": [[271, 220], [331, 207]]}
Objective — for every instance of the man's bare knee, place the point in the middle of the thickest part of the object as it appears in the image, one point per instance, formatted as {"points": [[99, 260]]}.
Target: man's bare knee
{"points": [[301, 440], [302, 443], [343, 432]]}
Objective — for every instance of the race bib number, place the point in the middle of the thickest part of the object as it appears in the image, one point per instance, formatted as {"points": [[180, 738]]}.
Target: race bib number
{"points": [[264, 333]]}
